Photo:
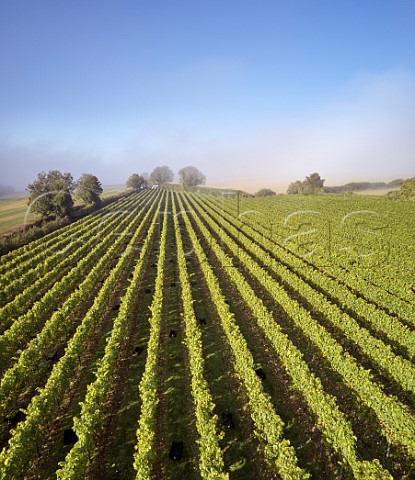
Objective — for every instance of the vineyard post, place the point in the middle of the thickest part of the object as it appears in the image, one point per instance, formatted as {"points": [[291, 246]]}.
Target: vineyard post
{"points": [[388, 448], [342, 460], [237, 216], [330, 240]]}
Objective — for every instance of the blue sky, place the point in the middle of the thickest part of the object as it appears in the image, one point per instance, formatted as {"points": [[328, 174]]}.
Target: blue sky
{"points": [[259, 93]]}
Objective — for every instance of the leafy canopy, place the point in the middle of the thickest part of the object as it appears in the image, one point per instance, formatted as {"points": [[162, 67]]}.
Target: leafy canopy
{"points": [[50, 195], [191, 177], [312, 184], [136, 181], [265, 192], [88, 188], [161, 175], [408, 188]]}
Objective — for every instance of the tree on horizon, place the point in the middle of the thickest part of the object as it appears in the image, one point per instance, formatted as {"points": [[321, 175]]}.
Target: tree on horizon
{"points": [[191, 177], [161, 175], [312, 184], [136, 181]]}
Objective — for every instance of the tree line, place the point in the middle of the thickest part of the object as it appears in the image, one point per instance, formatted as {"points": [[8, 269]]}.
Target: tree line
{"points": [[51, 194], [314, 184]]}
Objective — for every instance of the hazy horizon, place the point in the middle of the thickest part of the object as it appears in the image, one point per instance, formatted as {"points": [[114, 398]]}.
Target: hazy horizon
{"points": [[253, 96]]}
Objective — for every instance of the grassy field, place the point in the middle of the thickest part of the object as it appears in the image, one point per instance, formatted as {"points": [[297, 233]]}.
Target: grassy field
{"points": [[13, 212], [14, 208], [377, 191], [112, 190]]}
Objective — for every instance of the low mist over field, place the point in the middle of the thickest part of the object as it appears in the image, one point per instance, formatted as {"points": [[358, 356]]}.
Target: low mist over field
{"points": [[253, 96]]}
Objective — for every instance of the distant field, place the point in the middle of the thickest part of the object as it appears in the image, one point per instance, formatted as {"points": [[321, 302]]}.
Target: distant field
{"points": [[112, 190], [13, 211], [377, 191], [13, 208]]}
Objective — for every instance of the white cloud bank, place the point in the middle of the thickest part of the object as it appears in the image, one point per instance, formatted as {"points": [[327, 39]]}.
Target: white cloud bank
{"points": [[366, 133]]}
